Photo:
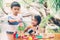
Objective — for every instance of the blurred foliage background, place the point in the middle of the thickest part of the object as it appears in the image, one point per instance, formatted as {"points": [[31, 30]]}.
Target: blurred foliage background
{"points": [[53, 5]]}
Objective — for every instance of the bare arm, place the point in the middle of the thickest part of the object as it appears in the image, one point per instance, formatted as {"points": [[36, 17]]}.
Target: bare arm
{"points": [[11, 20], [26, 29], [39, 30]]}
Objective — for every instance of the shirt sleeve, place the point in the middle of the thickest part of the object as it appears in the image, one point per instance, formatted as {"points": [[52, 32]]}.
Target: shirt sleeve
{"points": [[9, 17], [12, 23]]}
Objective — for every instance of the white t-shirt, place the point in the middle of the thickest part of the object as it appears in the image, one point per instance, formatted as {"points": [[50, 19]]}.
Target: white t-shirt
{"points": [[13, 28]]}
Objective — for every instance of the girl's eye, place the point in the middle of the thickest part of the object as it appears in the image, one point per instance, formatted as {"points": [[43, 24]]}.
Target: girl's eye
{"points": [[35, 20], [32, 19]]}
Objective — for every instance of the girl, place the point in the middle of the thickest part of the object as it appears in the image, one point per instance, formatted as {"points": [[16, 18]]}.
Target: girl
{"points": [[34, 27]]}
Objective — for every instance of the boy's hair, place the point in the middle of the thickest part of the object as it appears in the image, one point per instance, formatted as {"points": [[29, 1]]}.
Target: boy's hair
{"points": [[15, 4], [38, 18]]}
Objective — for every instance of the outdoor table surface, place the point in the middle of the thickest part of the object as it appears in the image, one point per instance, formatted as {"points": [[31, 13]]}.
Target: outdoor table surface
{"points": [[10, 36]]}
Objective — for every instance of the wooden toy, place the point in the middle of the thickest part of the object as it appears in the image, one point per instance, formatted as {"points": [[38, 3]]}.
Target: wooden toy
{"points": [[14, 35], [34, 37], [39, 37], [25, 37], [29, 38]]}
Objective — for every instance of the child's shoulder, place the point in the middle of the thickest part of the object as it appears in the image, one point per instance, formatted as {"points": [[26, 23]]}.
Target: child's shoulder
{"points": [[30, 26], [10, 15]]}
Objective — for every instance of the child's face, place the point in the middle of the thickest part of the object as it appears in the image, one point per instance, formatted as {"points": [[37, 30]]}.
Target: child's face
{"points": [[34, 22], [15, 10]]}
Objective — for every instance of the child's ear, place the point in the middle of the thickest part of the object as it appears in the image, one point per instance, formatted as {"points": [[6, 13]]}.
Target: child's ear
{"points": [[12, 8]]}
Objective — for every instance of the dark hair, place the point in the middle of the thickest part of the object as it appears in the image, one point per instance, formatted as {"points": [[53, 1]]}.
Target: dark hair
{"points": [[38, 18], [15, 4]]}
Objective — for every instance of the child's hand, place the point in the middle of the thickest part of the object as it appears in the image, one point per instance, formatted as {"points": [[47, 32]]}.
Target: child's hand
{"points": [[19, 20], [21, 24]]}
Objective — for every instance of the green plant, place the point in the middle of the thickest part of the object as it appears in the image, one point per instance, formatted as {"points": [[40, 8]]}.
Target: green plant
{"points": [[1, 3], [1, 6]]}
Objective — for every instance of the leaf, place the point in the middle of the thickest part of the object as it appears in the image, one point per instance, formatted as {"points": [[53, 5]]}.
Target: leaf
{"points": [[45, 20], [1, 3]]}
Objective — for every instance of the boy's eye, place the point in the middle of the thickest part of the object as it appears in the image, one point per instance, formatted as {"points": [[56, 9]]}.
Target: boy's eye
{"points": [[16, 9]]}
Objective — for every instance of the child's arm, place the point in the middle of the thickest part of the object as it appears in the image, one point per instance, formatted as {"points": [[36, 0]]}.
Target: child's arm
{"points": [[26, 29], [10, 19]]}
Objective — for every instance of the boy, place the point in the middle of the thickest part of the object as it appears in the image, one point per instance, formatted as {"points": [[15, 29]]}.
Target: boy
{"points": [[34, 27], [14, 19]]}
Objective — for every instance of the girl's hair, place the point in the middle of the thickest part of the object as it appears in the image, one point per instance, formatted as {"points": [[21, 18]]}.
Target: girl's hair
{"points": [[15, 4], [38, 18]]}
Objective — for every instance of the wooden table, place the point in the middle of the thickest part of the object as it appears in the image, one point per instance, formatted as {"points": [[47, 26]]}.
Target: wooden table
{"points": [[56, 37]]}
